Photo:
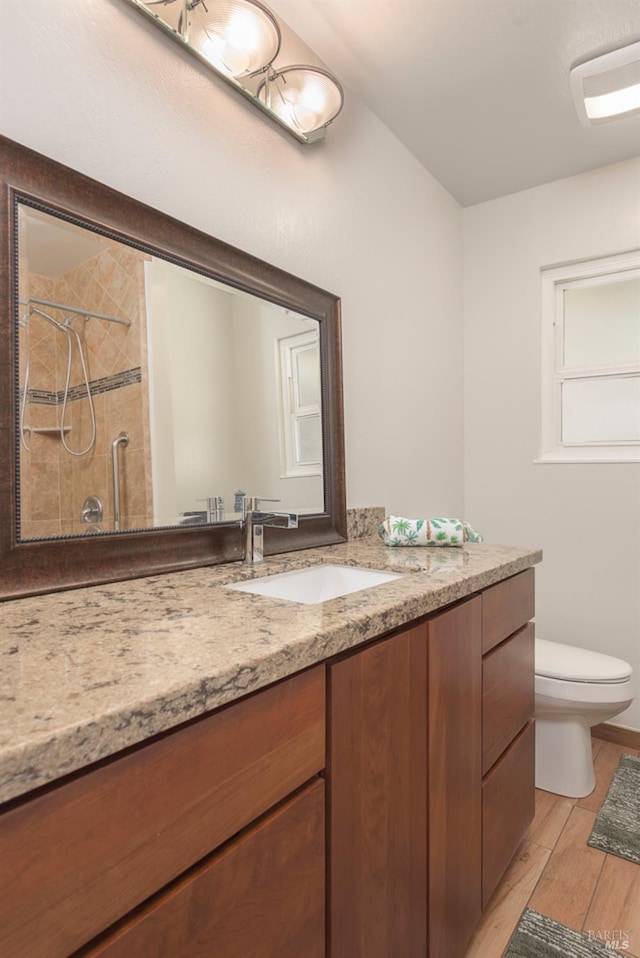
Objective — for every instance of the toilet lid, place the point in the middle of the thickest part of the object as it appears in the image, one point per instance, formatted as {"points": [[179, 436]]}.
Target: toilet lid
{"points": [[578, 665]]}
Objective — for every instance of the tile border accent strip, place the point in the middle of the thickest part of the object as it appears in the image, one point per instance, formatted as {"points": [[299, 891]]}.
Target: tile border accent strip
{"points": [[44, 397]]}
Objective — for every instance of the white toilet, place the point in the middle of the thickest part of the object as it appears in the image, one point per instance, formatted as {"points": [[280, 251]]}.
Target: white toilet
{"points": [[575, 689]]}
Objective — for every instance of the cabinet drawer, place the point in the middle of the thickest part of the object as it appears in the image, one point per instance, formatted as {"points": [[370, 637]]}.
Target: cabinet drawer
{"points": [[507, 693], [506, 607], [81, 855], [508, 799], [262, 896]]}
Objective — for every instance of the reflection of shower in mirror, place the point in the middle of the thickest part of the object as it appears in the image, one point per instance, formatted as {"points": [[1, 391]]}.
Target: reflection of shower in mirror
{"points": [[68, 330], [79, 335]]}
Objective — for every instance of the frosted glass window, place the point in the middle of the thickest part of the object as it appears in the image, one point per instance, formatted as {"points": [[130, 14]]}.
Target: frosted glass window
{"points": [[602, 324], [590, 339], [601, 409], [308, 440], [300, 408], [307, 361]]}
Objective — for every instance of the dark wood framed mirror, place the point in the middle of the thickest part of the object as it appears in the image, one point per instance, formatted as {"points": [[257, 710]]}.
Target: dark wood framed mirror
{"points": [[46, 206]]}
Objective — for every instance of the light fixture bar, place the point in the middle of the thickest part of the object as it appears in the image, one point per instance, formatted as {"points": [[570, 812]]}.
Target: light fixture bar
{"points": [[177, 34]]}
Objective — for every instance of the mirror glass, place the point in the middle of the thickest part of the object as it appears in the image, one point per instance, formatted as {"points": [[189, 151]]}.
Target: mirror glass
{"points": [[151, 395], [150, 375]]}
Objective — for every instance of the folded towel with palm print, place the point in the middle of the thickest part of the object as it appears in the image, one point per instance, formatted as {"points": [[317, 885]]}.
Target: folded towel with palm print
{"points": [[397, 531]]}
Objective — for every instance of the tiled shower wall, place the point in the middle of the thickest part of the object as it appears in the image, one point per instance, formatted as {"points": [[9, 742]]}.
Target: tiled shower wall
{"points": [[55, 484]]}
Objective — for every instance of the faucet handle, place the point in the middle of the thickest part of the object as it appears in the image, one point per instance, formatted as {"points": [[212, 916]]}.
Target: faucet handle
{"points": [[252, 502]]}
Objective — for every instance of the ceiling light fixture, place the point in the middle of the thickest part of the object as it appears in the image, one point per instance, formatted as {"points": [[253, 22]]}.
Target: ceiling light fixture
{"points": [[239, 40], [607, 87]]}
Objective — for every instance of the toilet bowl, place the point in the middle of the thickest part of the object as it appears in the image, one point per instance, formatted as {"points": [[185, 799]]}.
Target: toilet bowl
{"points": [[575, 689]]}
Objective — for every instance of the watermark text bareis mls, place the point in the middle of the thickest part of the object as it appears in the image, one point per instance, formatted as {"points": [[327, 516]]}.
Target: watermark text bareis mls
{"points": [[613, 939]]}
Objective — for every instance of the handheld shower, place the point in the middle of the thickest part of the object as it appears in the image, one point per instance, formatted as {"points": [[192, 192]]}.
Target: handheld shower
{"points": [[68, 330]]}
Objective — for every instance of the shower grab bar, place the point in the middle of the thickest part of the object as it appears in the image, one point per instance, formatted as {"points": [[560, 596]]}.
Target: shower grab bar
{"points": [[75, 310], [121, 440], [23, 405]]}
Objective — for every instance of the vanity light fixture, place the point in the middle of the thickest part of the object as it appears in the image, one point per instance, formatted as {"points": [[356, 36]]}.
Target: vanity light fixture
{"points": [[239, 40], [237, 37], [607, 87], [305, 98]]}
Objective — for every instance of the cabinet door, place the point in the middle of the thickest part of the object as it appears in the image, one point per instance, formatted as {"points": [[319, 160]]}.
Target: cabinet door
{"points": [[377, 806], [455, 777], [263, 896]]}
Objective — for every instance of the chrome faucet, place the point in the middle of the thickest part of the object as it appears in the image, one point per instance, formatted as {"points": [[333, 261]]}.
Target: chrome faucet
{"points": [[253, 523]]}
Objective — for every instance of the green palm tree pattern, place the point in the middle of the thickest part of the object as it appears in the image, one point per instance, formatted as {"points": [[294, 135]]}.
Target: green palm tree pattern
{"points": [[399, 531], [402, 526]]}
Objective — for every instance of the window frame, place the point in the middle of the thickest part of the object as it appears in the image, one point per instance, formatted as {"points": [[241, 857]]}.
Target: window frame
{"points": [[291, 467], [554, 374]]}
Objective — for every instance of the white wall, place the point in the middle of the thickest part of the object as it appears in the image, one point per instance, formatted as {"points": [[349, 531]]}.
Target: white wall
{"points": [[585, 517], [193, 433], [94, 86]]}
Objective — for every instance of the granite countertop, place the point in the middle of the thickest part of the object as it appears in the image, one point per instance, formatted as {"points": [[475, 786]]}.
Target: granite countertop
{"points": [[88, 672]]}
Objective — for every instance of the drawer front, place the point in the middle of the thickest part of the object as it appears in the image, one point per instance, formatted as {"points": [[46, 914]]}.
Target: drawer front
{"points": [[508, 800], [506, 607], [508, 679], [262, 896], [82, 855]]}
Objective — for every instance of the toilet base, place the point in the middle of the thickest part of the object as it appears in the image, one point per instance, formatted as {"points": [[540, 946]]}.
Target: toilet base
{"points": [[564, 761]]}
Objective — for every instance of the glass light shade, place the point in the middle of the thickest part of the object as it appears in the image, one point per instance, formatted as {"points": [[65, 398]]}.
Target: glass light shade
{"points": [[238, 37], [305, 98]]}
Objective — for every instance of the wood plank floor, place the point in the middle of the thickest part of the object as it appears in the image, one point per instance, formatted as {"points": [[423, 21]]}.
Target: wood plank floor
{"points": [[556, 873]]}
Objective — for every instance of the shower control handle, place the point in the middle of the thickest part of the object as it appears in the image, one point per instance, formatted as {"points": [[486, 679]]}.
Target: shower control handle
{"points": [[92, 510]]}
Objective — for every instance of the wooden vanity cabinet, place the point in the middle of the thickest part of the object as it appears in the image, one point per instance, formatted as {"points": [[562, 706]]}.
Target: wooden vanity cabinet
{"points": [[404, 782], [454, 846], [211, 839], [430, 775], [508, 705], [377, 812], [82, 854]]}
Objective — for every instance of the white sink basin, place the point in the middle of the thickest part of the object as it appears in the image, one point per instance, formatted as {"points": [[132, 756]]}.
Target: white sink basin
{"points": [[315, 584]]}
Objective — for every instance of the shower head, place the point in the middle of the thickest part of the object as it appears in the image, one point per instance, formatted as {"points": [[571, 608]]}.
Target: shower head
{"points": [[54, 322]]}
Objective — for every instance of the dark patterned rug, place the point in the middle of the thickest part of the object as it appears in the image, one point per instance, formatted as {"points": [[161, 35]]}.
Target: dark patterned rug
{"points": [[617, 826], [540, 937]]}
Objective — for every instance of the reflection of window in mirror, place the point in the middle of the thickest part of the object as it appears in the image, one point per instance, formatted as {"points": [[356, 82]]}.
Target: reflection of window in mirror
{"points": [[300, 413], [591, 361]]}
